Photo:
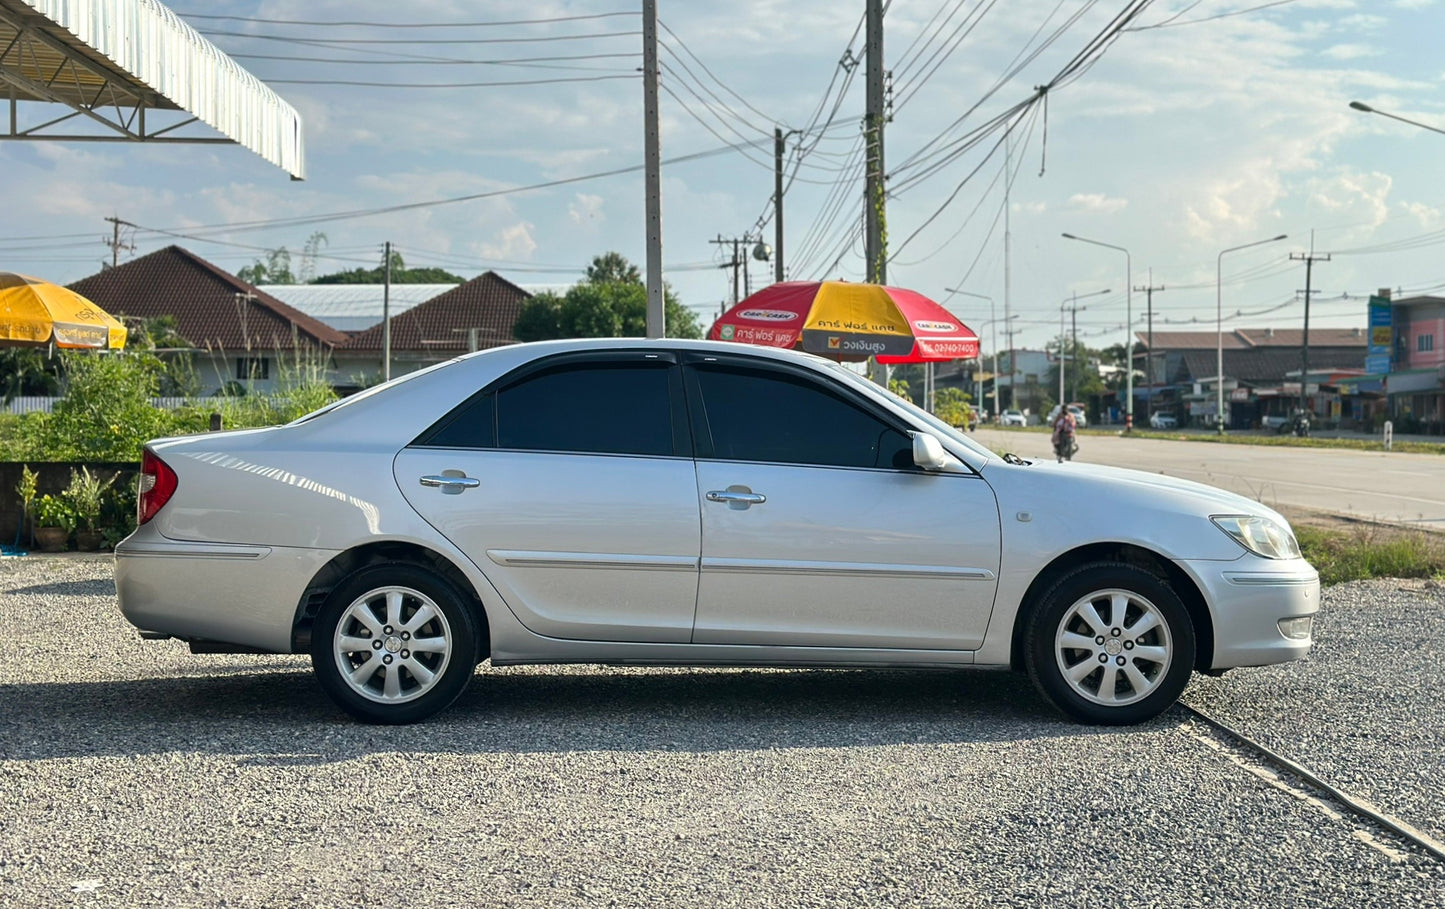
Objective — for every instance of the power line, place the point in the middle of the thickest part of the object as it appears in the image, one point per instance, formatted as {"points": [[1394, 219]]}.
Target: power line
{"points": [[309, 220], [406, 24], [392, 84], [342, 42]]}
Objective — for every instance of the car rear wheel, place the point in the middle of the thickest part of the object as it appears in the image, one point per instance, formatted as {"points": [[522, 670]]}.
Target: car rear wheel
{"points": [[1110, 644], [394, 644]]}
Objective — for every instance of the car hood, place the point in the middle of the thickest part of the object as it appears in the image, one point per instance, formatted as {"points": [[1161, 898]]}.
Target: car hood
{"points": [[1210, 499]]}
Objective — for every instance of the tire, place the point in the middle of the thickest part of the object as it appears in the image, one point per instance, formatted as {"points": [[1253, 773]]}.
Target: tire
{"points": [[1101, 667], [364, 644]]}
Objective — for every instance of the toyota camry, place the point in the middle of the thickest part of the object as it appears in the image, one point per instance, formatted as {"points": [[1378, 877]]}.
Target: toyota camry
{"points": [[675, 502]]}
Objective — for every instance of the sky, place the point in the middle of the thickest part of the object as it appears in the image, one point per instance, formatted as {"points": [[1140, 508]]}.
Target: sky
{"points": [[1206, 125]]}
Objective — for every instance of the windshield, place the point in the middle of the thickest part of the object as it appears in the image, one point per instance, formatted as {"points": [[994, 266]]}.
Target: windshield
{"points": [[936, 425]]}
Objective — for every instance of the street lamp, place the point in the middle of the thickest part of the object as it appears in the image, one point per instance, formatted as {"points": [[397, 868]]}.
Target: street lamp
{"points": [[1360, 105], [1219, 327], [1074, 347], [978, 385], [1128, 328]]}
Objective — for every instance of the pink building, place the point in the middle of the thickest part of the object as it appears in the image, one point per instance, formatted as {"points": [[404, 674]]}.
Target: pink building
{"points": [[1417, 377]]}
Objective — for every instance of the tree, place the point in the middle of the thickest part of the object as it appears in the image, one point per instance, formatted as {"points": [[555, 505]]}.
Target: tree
{"points": [[309, 254], [178, 371], [400, 274], [613, 267], [610, 303], [951, 406], [27, 371], [275, 270]]}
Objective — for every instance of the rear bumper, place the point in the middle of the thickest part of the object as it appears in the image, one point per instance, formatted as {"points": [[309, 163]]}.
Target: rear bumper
{"points": [[1248, 598], [245, 595]]}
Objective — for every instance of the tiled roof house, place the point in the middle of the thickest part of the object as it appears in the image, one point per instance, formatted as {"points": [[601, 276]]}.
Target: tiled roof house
{"points": [[471, 316], [240, 333]]}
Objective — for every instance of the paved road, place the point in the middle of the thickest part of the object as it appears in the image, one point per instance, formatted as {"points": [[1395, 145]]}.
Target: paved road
{"points": [[1394, 487]]}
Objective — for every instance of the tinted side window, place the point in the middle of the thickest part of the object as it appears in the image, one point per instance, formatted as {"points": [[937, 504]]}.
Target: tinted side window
{"points": [[761, 415], [472, 426], [604, 408]]}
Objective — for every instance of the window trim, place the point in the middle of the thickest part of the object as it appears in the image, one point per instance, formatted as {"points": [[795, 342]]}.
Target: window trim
{"points": [[681, 435], [702, 431]]}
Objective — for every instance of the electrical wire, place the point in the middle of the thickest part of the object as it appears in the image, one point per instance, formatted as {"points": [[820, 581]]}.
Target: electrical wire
{"points": [[308, 220], [407, 24], [390, 84]]}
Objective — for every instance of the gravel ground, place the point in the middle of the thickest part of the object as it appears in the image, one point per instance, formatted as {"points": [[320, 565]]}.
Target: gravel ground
{"points": [[1366, 711], [135, 774]]}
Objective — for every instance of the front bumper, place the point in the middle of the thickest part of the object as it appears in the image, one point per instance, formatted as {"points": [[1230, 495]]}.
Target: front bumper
{"points": [[1248, 598]]}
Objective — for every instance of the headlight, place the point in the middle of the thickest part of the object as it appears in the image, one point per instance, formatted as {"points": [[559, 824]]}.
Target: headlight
{"points": [[1261, 536]]}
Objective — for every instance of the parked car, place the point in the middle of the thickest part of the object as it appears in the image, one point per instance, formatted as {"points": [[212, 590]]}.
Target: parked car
{"points": [[1161, 420], [691, 503], [1013, 418]]}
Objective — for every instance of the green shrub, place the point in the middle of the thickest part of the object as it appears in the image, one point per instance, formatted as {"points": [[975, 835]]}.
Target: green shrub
{"points": [[54, 511], [86, 497], [105, 413]]}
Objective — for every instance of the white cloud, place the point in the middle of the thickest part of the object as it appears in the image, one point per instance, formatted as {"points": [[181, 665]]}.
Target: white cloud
{"points": [[513, 243], [1351, 51], [1358, 199], [586, 210], [1429, 217], [1097, 202]]}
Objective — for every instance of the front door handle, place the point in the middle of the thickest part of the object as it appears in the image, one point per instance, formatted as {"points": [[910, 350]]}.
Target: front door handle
{"points": [[737, 497], [451, 483]]}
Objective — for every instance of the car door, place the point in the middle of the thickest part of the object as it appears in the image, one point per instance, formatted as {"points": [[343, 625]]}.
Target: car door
{"points": [[817, 528], [571, 485]]}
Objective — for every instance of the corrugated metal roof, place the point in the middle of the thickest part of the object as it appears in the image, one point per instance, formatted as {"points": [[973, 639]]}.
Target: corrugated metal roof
{"points": [[97, 54], [353, 307], [1251, 338]]}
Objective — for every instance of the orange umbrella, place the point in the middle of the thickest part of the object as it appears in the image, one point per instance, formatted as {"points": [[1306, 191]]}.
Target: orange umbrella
{"points": [[33, 311]]}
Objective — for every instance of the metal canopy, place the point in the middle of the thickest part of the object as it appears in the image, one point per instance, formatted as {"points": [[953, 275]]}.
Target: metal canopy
{"points": [[112, 61]]}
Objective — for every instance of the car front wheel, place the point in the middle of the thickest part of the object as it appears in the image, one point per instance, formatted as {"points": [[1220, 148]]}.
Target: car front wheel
{"points": [[1110, 644], [394, 644]]}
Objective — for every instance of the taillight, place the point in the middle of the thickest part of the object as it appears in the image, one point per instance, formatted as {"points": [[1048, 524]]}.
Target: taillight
{"points": [[157, 485]]}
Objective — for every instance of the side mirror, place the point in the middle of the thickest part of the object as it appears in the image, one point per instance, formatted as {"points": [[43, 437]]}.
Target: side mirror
{"points": [[929, 454]]}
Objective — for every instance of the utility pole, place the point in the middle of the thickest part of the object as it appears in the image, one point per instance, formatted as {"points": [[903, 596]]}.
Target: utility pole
{"points": [[652, 164], [873, 206], [115, 243], [734, 262], [386, 317], [1149, 290], [1309, 259], [1074, 343], [778, 149], [874, 219], [1007, 316]]}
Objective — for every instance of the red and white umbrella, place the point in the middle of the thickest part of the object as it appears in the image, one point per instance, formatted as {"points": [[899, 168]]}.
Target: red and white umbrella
{"points": [[848, 321]]}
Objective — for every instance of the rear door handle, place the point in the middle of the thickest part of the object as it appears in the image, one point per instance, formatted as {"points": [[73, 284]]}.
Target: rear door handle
{"points": [[451, 485], [736, 498]]}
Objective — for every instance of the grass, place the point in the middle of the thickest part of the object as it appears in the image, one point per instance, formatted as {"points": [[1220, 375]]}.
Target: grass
{"points": [[1372, 551]]}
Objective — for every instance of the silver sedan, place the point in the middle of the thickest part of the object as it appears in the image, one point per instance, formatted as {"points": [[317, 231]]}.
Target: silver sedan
{"points": [[677, 502]]}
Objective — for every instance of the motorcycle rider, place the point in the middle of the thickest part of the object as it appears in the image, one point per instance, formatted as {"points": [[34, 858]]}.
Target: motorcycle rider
{"points": [[1063, 439]]}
